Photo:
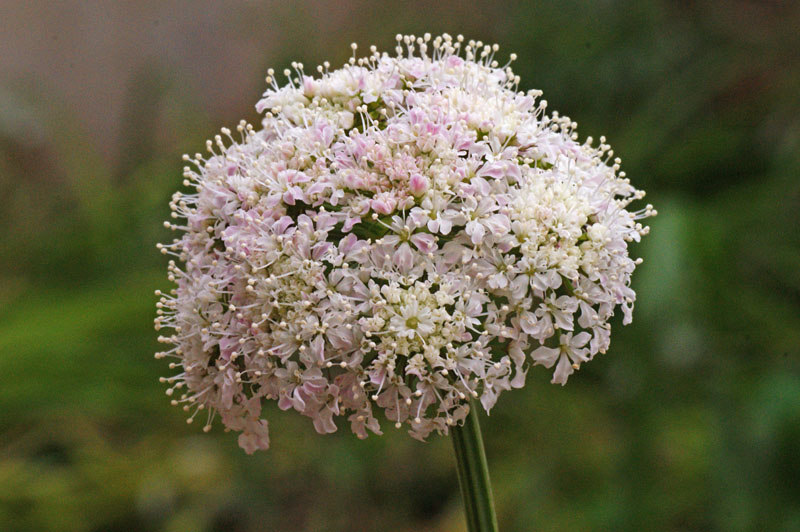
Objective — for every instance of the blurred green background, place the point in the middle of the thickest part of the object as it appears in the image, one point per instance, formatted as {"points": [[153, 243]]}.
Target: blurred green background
{"points": [[692, 420]]}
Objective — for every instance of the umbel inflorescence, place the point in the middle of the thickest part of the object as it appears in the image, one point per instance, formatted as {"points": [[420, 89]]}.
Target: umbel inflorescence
{"points": [[402, 234]]}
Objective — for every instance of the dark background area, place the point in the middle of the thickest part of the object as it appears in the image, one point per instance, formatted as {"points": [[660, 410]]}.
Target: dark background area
{"points": [[691, 422]]}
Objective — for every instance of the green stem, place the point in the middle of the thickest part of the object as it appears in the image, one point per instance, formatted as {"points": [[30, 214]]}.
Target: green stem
{"points": [[473, 474]]}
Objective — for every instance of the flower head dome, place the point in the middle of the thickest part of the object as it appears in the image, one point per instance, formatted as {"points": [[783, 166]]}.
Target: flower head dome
{"points": [[402, 234]]}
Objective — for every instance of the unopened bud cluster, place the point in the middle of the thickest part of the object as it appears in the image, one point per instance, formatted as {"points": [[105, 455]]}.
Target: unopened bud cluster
{"points": [[403, 234]]}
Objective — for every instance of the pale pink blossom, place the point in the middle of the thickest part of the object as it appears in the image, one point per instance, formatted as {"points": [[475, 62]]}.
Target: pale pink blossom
{"points": [[403, 234]]}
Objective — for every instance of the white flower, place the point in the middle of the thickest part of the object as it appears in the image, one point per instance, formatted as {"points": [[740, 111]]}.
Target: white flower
{"points": [[570, 354], [412, 320]]}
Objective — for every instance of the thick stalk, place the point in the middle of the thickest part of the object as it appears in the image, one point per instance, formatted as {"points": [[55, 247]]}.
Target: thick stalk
{"points": [[473, 474]]}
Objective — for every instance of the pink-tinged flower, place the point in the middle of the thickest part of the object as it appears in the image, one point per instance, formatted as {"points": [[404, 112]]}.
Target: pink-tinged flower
{"points": [[403, 258], [404, 233], [570, 355], [424, 242], [254, 436], [384, 203], [483, 219], [418, 184], [300, 385]]}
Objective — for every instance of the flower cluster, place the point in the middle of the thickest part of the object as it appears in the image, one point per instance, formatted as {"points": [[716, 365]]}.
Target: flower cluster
{"points": [[403, 234]]}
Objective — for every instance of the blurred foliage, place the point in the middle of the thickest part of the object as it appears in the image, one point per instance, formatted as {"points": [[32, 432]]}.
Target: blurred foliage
{"points": [[691, 422]]}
